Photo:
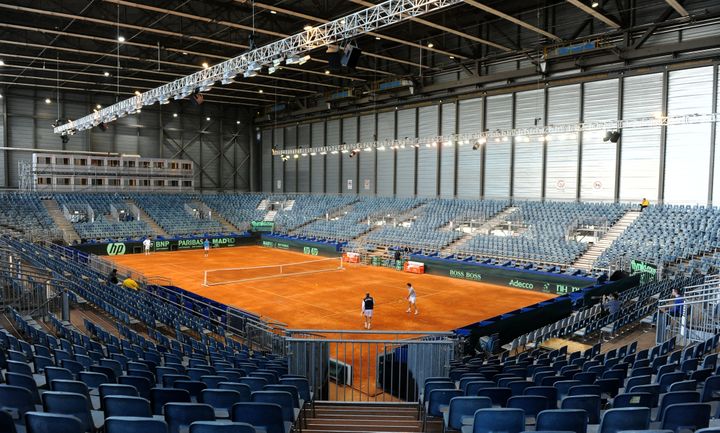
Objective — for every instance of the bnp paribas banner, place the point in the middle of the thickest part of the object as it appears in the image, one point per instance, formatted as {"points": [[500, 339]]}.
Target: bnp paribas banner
{"points": [[647, 271], [121, 248]]}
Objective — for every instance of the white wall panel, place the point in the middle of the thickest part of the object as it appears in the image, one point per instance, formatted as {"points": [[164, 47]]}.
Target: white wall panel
{"points": [[386, 158], [598, 156], [562, 150], [291, 164], [303, 174], [427, 156], [447, 153], [687, 167], [317, 183], [366, 177], [278, 164], [498, 154], [640, 158], [716, 177], [470, 118], [406, 157], [332, 162], [529, 107], [349, 165]]}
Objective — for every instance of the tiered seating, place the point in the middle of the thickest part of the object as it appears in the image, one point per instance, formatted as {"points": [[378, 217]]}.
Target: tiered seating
{"points": [[307, 208], [663, 234], [547, 231], [238, 209], [23, 212], [105, 226], [359, 218], [425, 231], [168, 211], [664, 387]]}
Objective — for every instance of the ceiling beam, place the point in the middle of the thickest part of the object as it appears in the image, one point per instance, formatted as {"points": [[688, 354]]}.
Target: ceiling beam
{"points": [[301, 15], [149, 71], [678, 7], [594, 12], [512, 19], [443, 28]]}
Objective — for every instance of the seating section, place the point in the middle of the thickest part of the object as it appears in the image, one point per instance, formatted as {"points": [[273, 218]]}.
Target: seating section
{"points": [[307, 208], [104, 226], [664, 234], [23, 213], [429, 230], [364, 215], [168, 211], [238, 209], [545, 231]]}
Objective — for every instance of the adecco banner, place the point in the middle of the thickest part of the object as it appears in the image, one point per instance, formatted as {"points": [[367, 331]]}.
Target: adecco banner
{"points": [[647, 271], [120, 248], [509, 277]]}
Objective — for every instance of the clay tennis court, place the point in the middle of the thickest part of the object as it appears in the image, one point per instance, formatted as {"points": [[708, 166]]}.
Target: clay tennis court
{"points": [[331, 300]]}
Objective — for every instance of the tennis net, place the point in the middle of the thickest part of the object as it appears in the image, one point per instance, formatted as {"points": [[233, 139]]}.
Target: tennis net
{"points": [[214, 277]]}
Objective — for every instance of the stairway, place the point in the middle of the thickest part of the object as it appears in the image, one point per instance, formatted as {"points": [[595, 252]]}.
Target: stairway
{"points": [[226, 225], [263, 204], [360, 241], [70, 236], [485, 228], [149, 221], [289, 205], [587, 260], [363, 417], [270, 216]]}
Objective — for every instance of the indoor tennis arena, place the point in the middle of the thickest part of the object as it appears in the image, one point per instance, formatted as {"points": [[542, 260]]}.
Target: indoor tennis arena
{"points": [[420, 216]]}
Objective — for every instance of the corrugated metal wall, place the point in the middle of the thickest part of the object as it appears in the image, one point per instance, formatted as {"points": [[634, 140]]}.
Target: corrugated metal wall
{"points": [[498, 154], [303, 173], [405, 170], [332, 161], [427, 155], [556, 167], [598, 157], [640, 158], [561, 165], [528, 170], [267, 159], [367, 160], [469, 168], [687, 167], [716, 176], [349, 165], [447, 150], [386, 158], [317, 162], [291, 164], [278, 164]]}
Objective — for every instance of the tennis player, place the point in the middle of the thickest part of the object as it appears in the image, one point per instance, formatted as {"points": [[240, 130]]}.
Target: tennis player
{"points": [[146, 243], [206, 247], [368, 304], [412, 298]]}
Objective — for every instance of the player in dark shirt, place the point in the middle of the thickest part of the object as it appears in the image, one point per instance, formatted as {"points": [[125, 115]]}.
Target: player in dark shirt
{"points": [[368, 304]]}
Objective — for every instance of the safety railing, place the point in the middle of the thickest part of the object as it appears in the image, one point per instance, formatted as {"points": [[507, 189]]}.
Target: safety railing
{"points": [[375, 366], [692, 317]]}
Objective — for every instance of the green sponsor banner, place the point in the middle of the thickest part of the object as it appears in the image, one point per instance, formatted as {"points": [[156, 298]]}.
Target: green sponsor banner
{"points": [[517, 278], [262, 226], [647, 271], [120, 248], [309, 248]]}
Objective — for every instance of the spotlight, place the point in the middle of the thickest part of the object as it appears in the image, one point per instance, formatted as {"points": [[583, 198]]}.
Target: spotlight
{"points": [[430, 45], [260, 90], [327, 72], [98, 106], [205, 65], [106, 73], [476, 146], [48, 100], [137, 93], [237, 122], [296, 156], [207, 118], [354, 153], [121, 38], [197, 98], [307, 28], [2, 62], [65, 139], [594, 4], [174, 114], [103, 127]]}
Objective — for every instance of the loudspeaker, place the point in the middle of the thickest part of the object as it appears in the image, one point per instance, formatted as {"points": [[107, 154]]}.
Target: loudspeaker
{"points": [[335, 61], [618, 275], [351, 57]]}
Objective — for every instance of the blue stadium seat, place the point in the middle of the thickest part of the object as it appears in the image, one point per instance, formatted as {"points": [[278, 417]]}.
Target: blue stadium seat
{"points": [[40, 422], [497, 420], [179, 416], [574, 420], [263, 415], [118, 424]]}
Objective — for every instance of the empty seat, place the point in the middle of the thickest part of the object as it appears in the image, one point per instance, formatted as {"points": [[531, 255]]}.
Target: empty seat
{"points": [[179, 416], [497, 420], [40, 422], [118, 424]]}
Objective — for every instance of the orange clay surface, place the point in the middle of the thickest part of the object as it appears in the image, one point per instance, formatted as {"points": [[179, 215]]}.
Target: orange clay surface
{"points": [[332, 300]]}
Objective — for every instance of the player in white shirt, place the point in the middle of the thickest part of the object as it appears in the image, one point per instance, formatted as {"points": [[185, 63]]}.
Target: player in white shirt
{"points": [[146, 243], [412, 298]]}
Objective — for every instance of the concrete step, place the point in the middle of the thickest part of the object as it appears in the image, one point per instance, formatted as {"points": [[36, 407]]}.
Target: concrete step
{"points": [[70, 235], [149, 221]]}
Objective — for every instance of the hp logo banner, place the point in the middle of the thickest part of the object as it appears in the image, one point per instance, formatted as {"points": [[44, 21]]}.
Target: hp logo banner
{"points": [[116, 249]]}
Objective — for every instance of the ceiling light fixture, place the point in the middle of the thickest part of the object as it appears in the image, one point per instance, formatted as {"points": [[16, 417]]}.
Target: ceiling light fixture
{"points": [[594, 4], [121, 38]]}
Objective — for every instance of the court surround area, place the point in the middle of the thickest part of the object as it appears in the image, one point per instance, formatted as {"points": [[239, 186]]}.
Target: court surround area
{"points": [[331, 299]]}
